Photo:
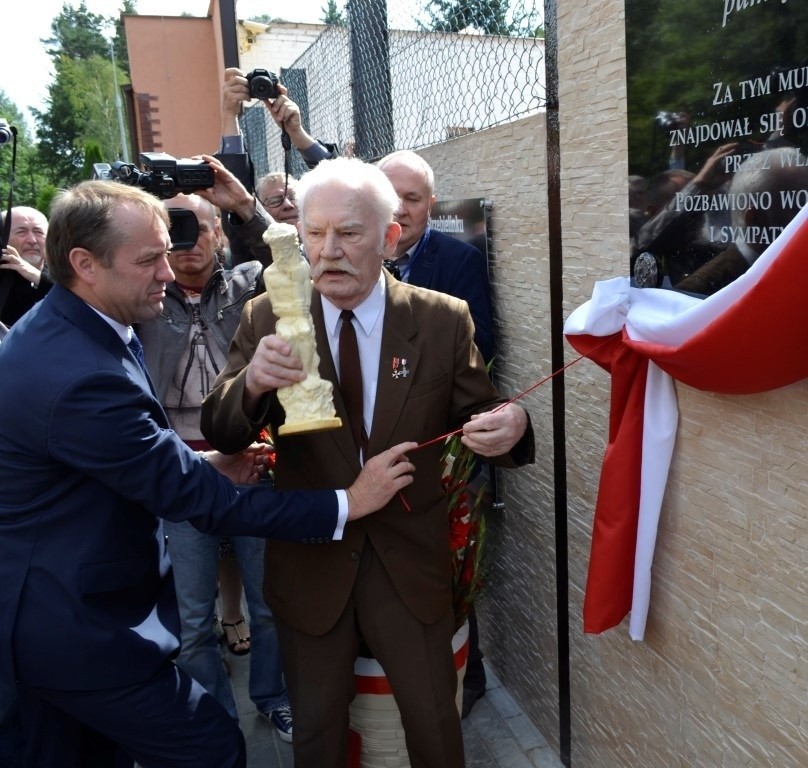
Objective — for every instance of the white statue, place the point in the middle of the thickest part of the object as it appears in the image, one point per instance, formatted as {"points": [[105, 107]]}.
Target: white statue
{"points": [[309, 405]]}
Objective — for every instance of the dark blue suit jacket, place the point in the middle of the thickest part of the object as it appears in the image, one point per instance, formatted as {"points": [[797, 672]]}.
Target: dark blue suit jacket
{"points": [[451, 266], [88, 466]]}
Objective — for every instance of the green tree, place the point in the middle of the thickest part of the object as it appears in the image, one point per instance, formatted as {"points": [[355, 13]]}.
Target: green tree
{"points": [[92, 155], [265, 18], [44, 199], [77, 33], [333, 15], [121, 51], [455, 15], [81, 97], [28, 178]]}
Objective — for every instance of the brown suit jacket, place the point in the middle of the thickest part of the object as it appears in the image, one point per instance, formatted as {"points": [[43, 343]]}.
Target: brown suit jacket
{"points": [[308, 586]]}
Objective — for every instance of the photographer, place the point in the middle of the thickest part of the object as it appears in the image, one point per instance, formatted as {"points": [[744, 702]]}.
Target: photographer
{"points": [[23, 279], [233, 154], [185, 348], [284, 111]]}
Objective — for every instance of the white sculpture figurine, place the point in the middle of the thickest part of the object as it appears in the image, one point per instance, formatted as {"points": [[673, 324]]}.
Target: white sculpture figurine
{"points": [[309, 405]]}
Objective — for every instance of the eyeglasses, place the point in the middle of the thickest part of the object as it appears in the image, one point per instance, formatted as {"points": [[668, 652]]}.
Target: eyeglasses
{"points": [[278, 200]]}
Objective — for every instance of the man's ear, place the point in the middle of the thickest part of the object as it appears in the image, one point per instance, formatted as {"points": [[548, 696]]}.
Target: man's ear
{"points": [[392, 235], [84, 265]]}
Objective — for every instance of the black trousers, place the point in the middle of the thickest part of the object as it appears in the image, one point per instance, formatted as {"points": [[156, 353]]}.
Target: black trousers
{"points": [[169, 721]]}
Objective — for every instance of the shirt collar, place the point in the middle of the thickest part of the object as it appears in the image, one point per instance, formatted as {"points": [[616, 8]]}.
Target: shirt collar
{"points": [[124, 331], [367, 313]]}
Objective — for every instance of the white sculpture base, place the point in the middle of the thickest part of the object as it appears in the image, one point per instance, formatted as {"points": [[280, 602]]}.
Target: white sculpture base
{"points": [[315, 425]]}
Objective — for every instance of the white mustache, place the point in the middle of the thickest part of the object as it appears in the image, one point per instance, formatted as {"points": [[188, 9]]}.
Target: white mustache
{"points": [[340, 265]]}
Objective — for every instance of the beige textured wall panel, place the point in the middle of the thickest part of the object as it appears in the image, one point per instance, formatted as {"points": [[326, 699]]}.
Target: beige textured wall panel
{"points": [[721, 677], [506, 165]]}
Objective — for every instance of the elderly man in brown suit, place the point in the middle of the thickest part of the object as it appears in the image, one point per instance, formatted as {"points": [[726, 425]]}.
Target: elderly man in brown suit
{"points": [[387, 582]]}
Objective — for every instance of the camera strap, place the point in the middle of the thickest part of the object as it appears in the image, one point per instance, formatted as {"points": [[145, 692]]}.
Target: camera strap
{"points": [[8, 274], [286, 143], [7, 221]]}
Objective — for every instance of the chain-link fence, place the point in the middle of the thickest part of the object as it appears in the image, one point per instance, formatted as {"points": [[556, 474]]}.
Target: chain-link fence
{"points": [[374, 85]]}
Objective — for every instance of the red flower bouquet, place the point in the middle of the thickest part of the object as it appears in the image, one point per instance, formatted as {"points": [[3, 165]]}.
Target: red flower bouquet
{"points": [[466, 525]]}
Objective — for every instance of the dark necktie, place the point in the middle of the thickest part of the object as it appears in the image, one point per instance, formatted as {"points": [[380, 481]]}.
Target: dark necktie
{"points": [[350, 379], [136, 348]]}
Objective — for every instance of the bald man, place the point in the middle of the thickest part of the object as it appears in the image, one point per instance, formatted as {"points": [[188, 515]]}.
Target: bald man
{"points": [[22, 282]]}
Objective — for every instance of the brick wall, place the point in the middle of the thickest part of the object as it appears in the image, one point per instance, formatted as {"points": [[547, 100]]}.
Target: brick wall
{"points": [[720, 679]]}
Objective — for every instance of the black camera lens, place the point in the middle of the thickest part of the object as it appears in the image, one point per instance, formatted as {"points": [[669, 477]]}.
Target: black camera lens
{"points": [[263, 84], [5, 131]]}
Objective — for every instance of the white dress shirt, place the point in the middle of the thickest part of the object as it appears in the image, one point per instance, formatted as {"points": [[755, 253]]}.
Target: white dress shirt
{"points": [[369, 322]]}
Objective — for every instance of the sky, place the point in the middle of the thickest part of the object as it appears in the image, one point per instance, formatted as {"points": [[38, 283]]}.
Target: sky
{"points": [[26, 70]]}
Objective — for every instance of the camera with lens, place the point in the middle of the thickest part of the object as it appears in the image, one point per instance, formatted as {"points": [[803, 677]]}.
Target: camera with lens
{"points": [[164, 177], [263, 84], [6, 131]]}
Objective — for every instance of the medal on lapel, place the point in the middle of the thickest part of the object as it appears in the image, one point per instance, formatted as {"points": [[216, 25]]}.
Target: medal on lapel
{"points": [[400, 370]]}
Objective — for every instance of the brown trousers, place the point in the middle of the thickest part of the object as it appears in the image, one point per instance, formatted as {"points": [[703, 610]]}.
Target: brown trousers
{"points": [[417, 660]]}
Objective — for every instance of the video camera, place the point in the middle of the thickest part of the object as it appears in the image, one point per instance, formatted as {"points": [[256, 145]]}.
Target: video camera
{"points": [[164, 177], [6, 131]]}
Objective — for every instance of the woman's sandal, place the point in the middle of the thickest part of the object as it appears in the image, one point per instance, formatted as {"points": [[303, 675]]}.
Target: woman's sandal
{"points": [[240, 641]]}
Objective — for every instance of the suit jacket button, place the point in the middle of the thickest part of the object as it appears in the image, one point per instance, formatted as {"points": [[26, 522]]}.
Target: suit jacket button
{"points": [[354, 555]]}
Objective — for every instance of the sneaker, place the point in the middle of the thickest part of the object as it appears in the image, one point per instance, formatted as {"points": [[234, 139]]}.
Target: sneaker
{"points": [[281, 718]]}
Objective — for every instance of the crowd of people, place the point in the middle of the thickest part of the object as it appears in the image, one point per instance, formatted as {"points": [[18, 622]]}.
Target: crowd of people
{"points": [[136, 472]]}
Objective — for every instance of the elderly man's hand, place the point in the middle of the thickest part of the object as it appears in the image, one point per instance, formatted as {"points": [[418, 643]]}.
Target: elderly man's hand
{"points": [[381, 478], [496, 432], [11, 259], [273, 366]]}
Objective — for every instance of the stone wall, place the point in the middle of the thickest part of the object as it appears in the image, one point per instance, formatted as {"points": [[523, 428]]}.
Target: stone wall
{"points": [[720, 679]]}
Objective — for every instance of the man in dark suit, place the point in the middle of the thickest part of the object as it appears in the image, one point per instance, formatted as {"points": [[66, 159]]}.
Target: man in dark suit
{"points": [[421, 375], [88, 466], [443, 263], [426, 257]]}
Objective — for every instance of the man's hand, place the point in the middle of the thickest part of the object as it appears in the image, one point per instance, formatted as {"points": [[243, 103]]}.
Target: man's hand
{"points": [[381, 478], [235, 92], [286, 114], [248, 466], [714, 171], [227, 192], [273, 366], [496, 432], [11, 259]]}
